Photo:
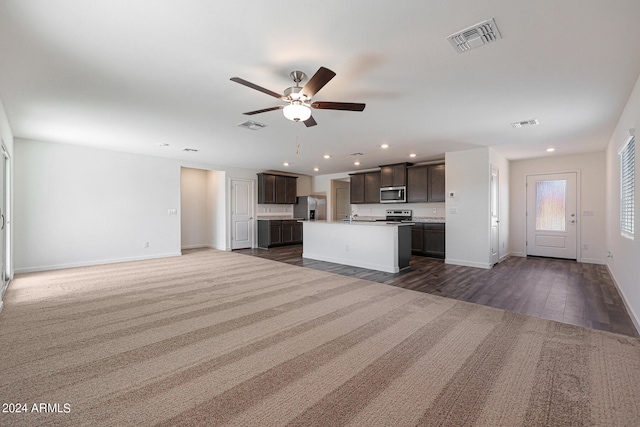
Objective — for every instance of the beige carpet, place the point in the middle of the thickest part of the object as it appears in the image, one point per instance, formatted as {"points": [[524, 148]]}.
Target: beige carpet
{"points": [[217, 338]]}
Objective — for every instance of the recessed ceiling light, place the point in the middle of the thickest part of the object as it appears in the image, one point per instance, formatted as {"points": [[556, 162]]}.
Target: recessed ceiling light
{"points": [[551, 150], [327, 156], [286, 163], [412, 155], [356, 163], [316, 169], [384, 146]]}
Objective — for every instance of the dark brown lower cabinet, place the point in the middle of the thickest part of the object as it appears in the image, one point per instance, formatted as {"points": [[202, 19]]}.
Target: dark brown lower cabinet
{"points": [[278, 233], [428, 239]]}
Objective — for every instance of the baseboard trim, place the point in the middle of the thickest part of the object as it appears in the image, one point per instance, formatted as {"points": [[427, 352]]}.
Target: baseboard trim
{"points": [[485, 266], [90, 263], [1, 305], [593, 261], [632, 314]]}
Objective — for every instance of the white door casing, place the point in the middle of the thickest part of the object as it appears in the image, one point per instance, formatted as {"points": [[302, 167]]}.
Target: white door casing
{"points": [[343, 208], [552, 219], [495, 215], [242, 222]]}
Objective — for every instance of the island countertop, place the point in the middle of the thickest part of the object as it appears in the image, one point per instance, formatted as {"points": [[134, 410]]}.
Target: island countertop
{"points": [[362, 223]]}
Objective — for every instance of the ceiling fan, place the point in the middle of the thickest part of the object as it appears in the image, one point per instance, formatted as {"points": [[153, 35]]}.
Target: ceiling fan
{"points": [[298, 99]]}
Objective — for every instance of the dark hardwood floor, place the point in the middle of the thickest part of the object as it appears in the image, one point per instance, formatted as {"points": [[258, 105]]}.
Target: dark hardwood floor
{"points": [[562, 290]]}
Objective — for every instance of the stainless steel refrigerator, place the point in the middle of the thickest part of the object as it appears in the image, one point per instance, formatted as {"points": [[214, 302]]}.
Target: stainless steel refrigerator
{"points": [[310, 208]]}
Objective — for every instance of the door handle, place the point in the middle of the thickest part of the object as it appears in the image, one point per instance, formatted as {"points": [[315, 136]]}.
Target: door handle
{"points": [[573, 221]]}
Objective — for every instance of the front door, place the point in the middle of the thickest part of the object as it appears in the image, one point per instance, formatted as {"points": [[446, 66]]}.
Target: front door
{"points": [[552, 219], [241, 213]]}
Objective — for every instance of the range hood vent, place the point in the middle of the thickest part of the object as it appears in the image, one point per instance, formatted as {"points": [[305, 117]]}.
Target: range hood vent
{"points": [[475, 36]]}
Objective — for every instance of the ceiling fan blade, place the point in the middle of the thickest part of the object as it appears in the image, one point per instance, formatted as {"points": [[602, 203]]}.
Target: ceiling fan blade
{"points": [[350, 106], [255, 86], [264, 110], [317, 82], [310, 122]]}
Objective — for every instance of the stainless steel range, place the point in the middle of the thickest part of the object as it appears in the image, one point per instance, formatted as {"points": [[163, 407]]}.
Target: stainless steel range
{"points": [[399, 215]]}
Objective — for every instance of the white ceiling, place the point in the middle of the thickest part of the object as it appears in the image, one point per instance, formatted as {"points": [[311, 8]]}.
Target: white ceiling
{"points": [[130, 75]]}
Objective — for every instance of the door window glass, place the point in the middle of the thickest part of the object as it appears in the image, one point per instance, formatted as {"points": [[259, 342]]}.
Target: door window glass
{"points": [[550, 205]]}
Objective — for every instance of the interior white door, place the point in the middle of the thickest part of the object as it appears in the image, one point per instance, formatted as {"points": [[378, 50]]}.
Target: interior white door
{"points": [[495, 215], [343, 208], [4, 232], [552, 219], [241, 214]]}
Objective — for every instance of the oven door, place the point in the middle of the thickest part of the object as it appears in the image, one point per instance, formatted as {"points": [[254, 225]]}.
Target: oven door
{"points": [[393, 195]]}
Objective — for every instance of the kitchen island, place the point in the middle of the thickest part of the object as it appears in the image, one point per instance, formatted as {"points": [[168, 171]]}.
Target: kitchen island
{"points": [[378, 246]]}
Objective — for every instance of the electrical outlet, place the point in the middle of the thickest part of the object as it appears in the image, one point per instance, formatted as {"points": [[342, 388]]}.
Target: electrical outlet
{"points": [[453, 210], [173, 212], [346, 248], [145, 245], [585, 247]]}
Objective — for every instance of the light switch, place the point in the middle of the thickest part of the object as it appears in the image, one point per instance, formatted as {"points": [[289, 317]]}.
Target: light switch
{"points": [[173, 212]]}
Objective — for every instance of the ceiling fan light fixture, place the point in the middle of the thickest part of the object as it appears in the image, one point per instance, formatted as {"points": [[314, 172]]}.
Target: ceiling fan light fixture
{"points": [[297, 112]]}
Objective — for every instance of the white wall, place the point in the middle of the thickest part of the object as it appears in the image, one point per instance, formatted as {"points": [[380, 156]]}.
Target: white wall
{"points": [[624, 264], [217, 210], [468, 227], [591, 197], [81, 206], [77, 206]]}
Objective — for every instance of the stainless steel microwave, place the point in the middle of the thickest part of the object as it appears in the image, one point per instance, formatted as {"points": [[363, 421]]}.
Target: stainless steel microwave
{"points": [[393, 194]]}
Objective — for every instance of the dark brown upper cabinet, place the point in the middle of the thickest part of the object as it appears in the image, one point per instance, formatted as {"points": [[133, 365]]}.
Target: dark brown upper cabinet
{"points": [[436, 183], [393, 175], [365, 188], [276, 189], [372, 187], [425, 183]]}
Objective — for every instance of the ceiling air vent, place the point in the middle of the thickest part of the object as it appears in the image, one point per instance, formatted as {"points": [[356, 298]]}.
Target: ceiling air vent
{"points": [[525, 123], [190, 150], [475, 36], [250, 124]]}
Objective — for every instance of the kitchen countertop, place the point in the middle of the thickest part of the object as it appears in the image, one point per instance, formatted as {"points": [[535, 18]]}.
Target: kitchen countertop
{"points": [[436, 219], [277, 218], [362, 223]]}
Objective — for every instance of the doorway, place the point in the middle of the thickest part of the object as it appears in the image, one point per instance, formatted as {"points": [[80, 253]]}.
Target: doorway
{"points": [[552, 220], [341, 199]]}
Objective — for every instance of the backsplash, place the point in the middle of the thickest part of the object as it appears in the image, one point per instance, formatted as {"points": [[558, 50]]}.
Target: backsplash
{"points": [[275, 210], [418, 209]]}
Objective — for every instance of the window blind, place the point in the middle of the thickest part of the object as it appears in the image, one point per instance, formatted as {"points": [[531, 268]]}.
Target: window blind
{"points": [[627, 184]]}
